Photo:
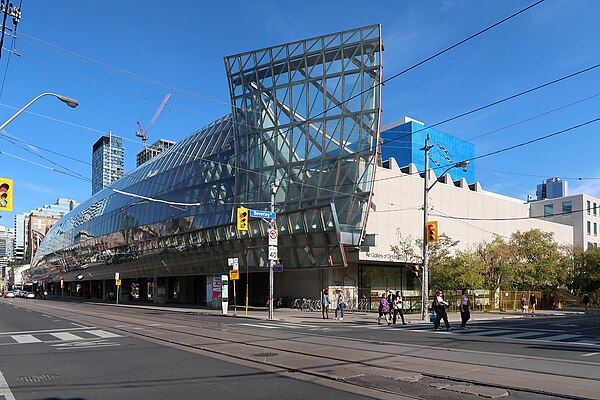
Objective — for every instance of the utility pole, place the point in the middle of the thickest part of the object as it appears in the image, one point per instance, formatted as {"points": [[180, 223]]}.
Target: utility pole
{"points": [[272, 259], [425, 277]]}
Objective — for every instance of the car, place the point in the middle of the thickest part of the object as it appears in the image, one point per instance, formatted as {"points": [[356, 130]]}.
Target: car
{"points": [[9, 295], [30, 295]]}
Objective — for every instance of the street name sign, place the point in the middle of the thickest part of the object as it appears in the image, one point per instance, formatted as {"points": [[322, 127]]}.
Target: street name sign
{"points": [[262, 214]]}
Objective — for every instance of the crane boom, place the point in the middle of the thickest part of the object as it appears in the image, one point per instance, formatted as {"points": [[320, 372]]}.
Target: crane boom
{"points": [[143, 133]]}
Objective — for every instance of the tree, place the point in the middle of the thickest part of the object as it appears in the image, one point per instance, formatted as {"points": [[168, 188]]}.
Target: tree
{"points": [[537, 260], [441, 252], [586, 271], [496, 265], [406, 249]]}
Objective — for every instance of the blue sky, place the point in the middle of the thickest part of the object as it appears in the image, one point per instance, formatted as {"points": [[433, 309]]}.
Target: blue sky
{"points": [[120, 59]]}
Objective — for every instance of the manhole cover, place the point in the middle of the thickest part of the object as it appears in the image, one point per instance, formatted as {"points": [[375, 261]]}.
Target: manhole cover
{"points": [[37, 378], [264, 355]]}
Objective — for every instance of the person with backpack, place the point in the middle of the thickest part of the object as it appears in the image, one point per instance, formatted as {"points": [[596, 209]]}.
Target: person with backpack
{"points": [[398, 308], [439, 306], [384, 310]]}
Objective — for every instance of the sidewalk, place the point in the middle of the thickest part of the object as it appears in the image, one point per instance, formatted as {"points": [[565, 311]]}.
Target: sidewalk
{"points": [[350, 317]]}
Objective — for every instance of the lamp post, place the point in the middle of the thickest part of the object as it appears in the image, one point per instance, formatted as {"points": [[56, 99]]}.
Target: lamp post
{"points": [[426, 189], [67, 100]]}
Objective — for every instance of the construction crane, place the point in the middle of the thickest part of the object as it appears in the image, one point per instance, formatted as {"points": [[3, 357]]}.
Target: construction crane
{"points": [[143, 133]]}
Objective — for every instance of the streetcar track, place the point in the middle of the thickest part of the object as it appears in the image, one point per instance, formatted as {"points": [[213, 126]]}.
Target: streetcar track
{"points": [[216, 326]]}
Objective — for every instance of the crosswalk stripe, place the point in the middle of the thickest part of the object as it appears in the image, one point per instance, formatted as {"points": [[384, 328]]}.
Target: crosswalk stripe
{"points": [[66, 336], [25, 339], [518, 335], [261, 326], [487, 333], [559, 337], [103, 334]]}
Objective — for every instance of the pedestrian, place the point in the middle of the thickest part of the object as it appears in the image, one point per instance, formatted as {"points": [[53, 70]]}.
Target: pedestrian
{"points": [[341, 303], [391, 297], [586, 301], [384, 310], [523, 303], [552, 301], [45, 295], [532, 302], [440, 310], [325, 303], [465, 314], [398, 308]]}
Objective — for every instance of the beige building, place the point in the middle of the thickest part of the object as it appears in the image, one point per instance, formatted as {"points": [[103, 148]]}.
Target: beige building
{"points": [[580, 211], [464, 212]]}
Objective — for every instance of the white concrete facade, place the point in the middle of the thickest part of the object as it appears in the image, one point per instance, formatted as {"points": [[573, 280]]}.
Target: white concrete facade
{"points": [[580, 211], [465, 213]]}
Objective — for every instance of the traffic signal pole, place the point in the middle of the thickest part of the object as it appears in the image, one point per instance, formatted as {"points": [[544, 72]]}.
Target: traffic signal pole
{"points": [[271, 262]]}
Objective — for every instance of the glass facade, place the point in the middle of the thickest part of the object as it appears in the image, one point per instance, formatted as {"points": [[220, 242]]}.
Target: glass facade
{"points": [[304, 114]]}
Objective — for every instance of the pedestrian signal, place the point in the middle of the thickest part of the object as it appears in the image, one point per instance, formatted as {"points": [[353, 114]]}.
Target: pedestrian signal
{"points": [[242, 219], [6, 194], [432, 231]]}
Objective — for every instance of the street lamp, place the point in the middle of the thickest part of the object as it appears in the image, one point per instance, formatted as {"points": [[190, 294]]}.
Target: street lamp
{"points": [[426, 189], [67, 100]]}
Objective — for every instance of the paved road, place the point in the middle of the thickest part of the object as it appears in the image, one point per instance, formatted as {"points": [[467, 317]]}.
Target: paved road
{"points": [[336, 357], [50, 357], [569, 337]]}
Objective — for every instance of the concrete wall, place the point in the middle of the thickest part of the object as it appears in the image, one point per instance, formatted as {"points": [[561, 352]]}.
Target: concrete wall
{"points": [[468, 216]]}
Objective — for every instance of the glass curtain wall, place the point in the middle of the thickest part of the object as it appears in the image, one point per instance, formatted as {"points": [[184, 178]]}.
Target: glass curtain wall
{"points": [[307, 117]]}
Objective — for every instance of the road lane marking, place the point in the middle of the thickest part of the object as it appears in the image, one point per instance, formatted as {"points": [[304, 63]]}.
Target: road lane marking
{"points": [[25, 339], [45, 331], [4, 389], [66, 336], [589, 354], [103, 334], [519, 335], [80, 326], [559, 337], [487, 333], [261, 326]]}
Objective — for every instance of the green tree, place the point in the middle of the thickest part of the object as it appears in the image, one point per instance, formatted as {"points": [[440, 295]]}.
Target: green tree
{"points": [[441, 258], [496, 266], [586, 271], [537, 260]]}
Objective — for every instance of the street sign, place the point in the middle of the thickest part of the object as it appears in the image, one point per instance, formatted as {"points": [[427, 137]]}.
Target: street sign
{"points": [[272, 253], [234, 275], [230, 262], [236, 264], [278, 268], [262, 214], [117, 276], [272, 237], [118, 282]]}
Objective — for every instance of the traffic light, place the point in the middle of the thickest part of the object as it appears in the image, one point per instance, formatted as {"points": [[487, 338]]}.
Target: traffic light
{"points": [[6, 194], [416, 270], [432, 231], [242, 219]]}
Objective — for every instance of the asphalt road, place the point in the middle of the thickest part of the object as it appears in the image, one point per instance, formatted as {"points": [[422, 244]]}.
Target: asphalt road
{"points": [[77, 350], [49, 357]]}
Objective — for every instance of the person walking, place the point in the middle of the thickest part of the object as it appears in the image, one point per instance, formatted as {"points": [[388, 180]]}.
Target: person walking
{"points": [[384, 310], [523, 303], [465, 314], [532, 302], [341, 303], [586, 301], [440, 310], [391, 297], [325, 302], [398, 308]]}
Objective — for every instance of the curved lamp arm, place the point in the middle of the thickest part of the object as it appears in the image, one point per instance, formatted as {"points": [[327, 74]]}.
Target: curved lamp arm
{"points": [[67, 100]]}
